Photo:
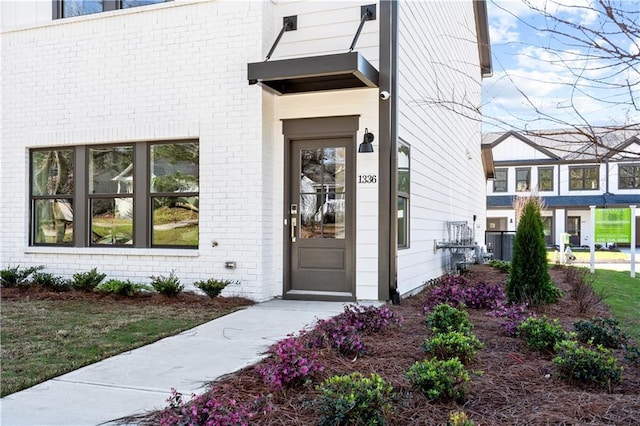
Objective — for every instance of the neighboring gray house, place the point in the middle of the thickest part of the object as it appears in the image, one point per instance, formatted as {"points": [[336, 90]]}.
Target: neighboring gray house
{"points": [[570, 172]]}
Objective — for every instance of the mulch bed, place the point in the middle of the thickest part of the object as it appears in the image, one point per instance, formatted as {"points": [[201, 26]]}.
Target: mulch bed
{"points": [[513, 384], [184, 299]]}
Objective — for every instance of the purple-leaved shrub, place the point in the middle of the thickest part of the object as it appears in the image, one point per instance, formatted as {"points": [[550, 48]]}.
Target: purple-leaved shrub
{"points": [[458, 291], [513, 316], [341, 336], [214, 408], [291, 362], [343, 331], [368, 319]]}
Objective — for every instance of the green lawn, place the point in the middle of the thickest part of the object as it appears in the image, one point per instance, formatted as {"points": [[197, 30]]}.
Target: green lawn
{"points": [[42, 339], [624, 298], [600, 256]]}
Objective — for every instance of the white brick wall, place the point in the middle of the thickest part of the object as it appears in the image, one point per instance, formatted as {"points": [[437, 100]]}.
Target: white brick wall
{"points": [[170, 72]]}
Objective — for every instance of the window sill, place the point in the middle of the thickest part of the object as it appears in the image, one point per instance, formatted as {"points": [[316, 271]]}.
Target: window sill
{"points": [[90, 251]]}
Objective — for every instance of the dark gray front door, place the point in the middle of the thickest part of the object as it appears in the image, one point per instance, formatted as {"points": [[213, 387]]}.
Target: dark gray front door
{"points": [[321, 218]]}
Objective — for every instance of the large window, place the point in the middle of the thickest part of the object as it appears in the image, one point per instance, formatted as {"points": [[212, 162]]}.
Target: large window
{"points": [[69, 8], [581, 178], [500, 181], [133, 195], [523, 179], [545, 179], [629, 176], [403, 195]]}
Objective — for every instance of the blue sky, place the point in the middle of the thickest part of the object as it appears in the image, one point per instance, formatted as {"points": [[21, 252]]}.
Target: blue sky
{"points": [[522, 65]]}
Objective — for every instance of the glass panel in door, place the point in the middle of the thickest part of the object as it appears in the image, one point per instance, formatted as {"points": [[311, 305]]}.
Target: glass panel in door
{"points": [[322, 193]]}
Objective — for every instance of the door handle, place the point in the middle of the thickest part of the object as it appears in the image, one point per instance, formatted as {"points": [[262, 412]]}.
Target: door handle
{"points": [[294, 229], [293, 210]]}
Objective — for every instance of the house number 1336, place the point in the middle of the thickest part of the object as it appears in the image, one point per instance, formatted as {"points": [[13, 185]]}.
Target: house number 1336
{"points": [[367, 179]]}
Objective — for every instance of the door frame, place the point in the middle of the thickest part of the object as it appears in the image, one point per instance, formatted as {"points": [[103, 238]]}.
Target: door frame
{"points": [[318, 128]]}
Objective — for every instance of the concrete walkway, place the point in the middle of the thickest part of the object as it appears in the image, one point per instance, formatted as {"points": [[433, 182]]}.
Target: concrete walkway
{"points": [[141, 380]]}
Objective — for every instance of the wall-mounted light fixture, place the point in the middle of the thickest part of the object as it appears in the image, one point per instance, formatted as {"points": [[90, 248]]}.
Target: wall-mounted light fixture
{"points": [[366, 145]]}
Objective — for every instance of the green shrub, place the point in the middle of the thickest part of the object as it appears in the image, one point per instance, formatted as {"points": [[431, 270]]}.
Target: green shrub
{"points": [[459, 418], [592, 366], [453, 344], [50, 281], [14, 276], [169, 286], [87, 280], [529, 279], [213, 287], [540, 334], [600, 331], [440, 380], [632, 354], [125, 288], [501, 265], [444, 318], [354, 399]]}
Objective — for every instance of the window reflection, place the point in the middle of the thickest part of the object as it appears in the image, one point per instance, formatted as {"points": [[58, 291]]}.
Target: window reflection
{"points": [[322, 193], [175, 221], [80, 7], [112, 221]]}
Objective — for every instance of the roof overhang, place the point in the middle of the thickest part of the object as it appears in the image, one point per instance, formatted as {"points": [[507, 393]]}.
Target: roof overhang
{"points": [[482, 31], [310, 74], [487, 162]]}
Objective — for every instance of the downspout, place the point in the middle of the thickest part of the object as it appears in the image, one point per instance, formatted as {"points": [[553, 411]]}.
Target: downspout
{"points": [[387, 189]]}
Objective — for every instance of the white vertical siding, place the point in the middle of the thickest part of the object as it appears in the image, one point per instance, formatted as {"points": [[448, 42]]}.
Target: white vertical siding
{"points": [[438, 61]]}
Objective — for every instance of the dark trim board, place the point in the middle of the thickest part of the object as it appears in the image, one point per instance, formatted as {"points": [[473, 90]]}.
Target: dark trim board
{"points": [[584, 201], [387, 190]]}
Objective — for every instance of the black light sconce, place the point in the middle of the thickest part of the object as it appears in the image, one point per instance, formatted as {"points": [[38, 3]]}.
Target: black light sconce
{"points": [[366, 145]]}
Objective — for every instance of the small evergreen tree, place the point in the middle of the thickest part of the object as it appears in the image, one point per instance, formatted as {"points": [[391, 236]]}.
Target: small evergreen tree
{"points": [[529, 279]]}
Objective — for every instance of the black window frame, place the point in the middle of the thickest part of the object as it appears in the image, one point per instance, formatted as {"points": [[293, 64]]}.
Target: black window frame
{"points": [[506, 180], [81, 198], [583, 180], [403, 197], [107, 6], [545, 169], [635, 176]]}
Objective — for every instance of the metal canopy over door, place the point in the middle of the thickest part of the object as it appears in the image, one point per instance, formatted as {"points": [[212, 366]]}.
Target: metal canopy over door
{"points": [[320, 205]]}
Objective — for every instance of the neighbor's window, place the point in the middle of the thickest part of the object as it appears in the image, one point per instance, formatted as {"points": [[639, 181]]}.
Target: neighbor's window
{"points": [[52, 191], [545, 179], [136, 195], [584, 177], [629, 177], [523, 179], [500, 181], [403, 195], [70, 8]]}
